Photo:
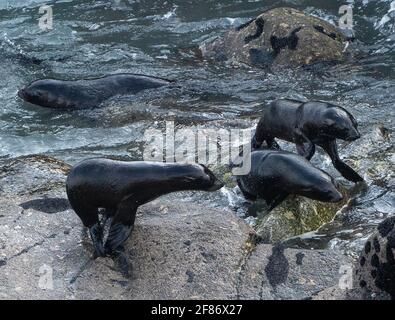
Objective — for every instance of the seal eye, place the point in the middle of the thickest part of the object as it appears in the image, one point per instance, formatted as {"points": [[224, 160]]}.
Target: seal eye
{"points": [[330, 122]]}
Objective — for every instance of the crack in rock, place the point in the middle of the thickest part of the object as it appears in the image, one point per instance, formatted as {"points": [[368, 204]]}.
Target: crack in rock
{"points": [[27, 249], [249, 247]]}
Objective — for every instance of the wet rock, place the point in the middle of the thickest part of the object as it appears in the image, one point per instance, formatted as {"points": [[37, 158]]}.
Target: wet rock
{"points": [[295, 216], [369, 203], [281, 36], [178, 250]]}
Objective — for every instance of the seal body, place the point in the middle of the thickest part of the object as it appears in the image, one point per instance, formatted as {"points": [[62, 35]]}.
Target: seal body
{"points": [[276, 174], [121, 187], [308, 124], [375, 270], [79, 94]]}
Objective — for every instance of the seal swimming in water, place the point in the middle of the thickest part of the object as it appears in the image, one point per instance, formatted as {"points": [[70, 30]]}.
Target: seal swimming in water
{"points": [[275, 174], [308, 124], [88, 93], [121, 187]]}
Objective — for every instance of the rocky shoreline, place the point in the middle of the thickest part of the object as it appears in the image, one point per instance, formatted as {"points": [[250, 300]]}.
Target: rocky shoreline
{"points": [[177, 250]]}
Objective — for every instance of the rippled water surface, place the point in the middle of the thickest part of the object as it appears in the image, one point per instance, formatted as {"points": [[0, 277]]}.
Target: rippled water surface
{"points": [[92, 38]]}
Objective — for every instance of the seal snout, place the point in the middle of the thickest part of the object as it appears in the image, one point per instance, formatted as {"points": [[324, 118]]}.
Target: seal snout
{"points": [[22, 93], [354, 135], [216, 185], [336, 196]]}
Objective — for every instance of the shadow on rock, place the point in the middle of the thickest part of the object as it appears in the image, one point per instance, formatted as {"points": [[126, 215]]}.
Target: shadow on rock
{"points": [[47, 205]]}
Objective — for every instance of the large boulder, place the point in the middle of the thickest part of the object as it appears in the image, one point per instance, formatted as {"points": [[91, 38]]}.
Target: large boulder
{"points": [[178, 250], [281, 36]]}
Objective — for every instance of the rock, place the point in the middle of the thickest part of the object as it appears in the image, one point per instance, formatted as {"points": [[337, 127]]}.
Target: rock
{"points": [[31, 174], [375, 270], [355, 293], [178, 250], [297, 215], [281, 36], [274, 272], [368, 203]]}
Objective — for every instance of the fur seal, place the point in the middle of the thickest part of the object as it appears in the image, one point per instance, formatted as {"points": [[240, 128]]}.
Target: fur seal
{"points": [[88, 93], [275, 174], [308, 124], [375, 270], [121, 187]]}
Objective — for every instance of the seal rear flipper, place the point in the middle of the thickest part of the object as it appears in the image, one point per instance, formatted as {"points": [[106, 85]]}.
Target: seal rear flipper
{"points": [[274, 202], [121, 261], [96, 233]]}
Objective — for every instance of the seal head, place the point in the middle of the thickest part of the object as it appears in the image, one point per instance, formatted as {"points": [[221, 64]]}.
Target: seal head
{"points": [[341, 124], [321, 187], [50, 93]]}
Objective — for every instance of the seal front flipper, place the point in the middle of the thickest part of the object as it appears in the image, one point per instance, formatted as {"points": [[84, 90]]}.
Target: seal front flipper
{"points": [[346, 171], [255, 143], [89, 216], [119, 233], [277, 200], [245, 193]]}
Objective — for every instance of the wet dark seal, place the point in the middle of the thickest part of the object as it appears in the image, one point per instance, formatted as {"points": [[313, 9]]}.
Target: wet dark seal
{"points": [[276, 174], [309, 124], [121, 187], [89, 93]]}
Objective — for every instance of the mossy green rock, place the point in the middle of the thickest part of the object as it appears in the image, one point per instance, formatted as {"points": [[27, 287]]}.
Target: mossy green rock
{"points": [[295, 216]]}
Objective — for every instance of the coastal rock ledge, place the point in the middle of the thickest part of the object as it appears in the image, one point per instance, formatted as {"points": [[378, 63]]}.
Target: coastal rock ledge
{"points": [[177, 250]]}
